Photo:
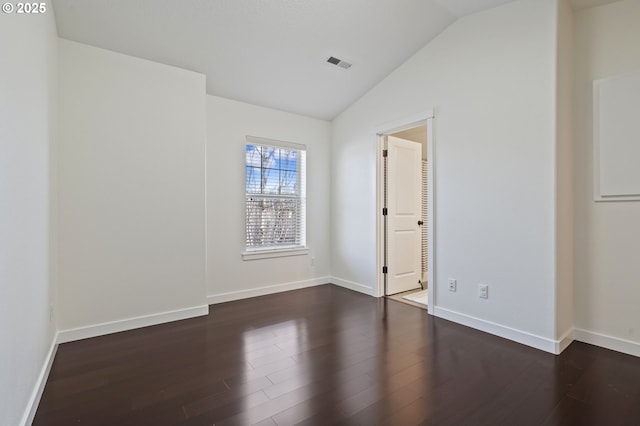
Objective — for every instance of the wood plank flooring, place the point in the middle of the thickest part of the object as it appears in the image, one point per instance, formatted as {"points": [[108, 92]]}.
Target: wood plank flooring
{"points": [[326, 355]]}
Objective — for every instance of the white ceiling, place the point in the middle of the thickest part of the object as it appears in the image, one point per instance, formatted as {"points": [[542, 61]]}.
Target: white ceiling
{"points": [[270, 52]]}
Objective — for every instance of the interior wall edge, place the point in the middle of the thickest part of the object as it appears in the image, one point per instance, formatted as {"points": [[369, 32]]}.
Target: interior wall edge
{"points": [[565, 340]]}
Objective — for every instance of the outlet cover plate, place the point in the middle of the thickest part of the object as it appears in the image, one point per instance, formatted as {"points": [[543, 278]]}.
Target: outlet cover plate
{"points": [[483, 291]]}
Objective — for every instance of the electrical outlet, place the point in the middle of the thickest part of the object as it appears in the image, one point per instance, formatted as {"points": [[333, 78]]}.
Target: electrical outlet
{"points": [[51, 313], [483, 291], [313, 261], [453, 284]]}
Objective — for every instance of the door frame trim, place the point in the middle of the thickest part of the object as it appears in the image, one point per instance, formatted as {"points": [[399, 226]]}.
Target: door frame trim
{"points": [[423, 118]]}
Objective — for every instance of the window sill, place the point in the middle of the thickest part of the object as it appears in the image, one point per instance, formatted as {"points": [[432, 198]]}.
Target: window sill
{"points": [[270, 253]]}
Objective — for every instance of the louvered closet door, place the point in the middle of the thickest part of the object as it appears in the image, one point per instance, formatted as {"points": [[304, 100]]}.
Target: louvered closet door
{"points": [[425, 208]]}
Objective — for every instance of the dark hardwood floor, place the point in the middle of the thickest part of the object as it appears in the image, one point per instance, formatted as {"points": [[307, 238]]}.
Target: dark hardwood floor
{"points": [[326, 355]]}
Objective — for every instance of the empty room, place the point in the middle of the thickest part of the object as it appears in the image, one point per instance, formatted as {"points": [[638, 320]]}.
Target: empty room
{"points": [[279, 212]]}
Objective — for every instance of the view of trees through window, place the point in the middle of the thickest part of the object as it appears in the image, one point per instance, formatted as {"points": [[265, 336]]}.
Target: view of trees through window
{"points": [[273, 196]]}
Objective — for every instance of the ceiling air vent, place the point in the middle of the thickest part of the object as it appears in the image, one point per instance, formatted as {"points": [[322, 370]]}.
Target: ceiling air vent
{"points": [[338, 62]]}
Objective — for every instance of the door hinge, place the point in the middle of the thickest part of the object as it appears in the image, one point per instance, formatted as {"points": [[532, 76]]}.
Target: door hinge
{"points": [[385, 152], [384, 211], [384, 269]]}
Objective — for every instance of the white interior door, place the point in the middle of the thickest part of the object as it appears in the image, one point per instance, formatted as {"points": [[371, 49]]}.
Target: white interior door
{"points": [[404, 208]]}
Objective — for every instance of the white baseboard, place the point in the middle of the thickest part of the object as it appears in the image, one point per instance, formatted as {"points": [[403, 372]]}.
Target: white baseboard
{"points": [[130, 323], [564, 341], [609, 342], [361, 288], [538, 342], [263, 291], [36, 394]]}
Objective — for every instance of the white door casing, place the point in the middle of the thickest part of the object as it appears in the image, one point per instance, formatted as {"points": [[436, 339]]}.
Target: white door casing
{"points": [[404, 210]]}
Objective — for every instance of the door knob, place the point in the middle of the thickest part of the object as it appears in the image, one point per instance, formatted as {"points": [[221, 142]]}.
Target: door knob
{"points": [[420, 223]]}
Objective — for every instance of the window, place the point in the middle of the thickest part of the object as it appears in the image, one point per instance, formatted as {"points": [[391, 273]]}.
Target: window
{"points": [[275, 196]]}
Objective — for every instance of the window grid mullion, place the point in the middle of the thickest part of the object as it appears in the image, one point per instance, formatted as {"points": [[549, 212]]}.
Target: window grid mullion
{"points": [[274, 220]]}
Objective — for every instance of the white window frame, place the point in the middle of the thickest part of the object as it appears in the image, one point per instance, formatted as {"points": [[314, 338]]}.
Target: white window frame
{"points": [[253, 253]]}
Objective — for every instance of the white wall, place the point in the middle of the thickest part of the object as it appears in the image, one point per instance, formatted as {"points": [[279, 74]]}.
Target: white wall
{"points": [[131, 189], [229, 276], [608, 233], [491, 79], [27, 133], [564, 173]]}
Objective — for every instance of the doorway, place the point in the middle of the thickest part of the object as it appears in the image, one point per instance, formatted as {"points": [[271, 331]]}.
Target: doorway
{"points": [[405, 236]]}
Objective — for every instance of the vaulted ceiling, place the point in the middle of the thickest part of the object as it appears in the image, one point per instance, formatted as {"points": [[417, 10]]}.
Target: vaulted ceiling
{"points": [[270, 52]]}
